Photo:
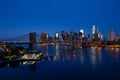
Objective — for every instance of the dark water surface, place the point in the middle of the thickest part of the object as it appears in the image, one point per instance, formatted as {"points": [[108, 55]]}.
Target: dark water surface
{"points": [[64, 63]]}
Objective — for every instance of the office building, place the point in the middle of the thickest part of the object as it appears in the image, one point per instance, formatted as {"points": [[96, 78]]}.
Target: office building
{"points": [[95, 33], [44, 37], [111, 35], [56, 36], [82, 31], [64, 35]]}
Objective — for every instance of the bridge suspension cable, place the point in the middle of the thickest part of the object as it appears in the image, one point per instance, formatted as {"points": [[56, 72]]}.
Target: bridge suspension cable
{"points": [[18, 38], [21, 38]]}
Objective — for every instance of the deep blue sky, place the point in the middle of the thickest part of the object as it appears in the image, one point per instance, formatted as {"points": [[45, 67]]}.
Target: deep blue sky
{"points": [[18, 17]]}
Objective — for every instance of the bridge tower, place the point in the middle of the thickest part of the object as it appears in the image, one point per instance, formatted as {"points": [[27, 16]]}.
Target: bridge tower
{"points": [[32, 39]]}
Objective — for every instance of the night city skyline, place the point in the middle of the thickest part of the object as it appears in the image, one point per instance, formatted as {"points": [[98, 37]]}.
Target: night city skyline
{"points": [[59, 39], [24, 16]]}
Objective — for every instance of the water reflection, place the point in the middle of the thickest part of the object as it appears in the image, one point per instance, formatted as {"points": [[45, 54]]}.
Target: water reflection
{"points": [[14, 64], [93, 56], [66, 62], [57, 56], [44, 48], [99, 50], [113, 53], [113, 50], [3, 65], [32, 67], [117, 50], [72, 54], [82, 57], [65, 53]]}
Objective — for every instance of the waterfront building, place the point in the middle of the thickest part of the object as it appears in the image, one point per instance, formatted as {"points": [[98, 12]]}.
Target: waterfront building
{"points": [[51, 39], [56, 36], [95, 33], [71, 35], [82, 31], [117, 38], [75, 37], [93, 29], [64, 35], [100, 36], [44, 37], [111, 35], [79, 36]]}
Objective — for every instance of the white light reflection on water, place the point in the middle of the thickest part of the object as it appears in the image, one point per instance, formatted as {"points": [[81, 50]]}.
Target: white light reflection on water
{"points": [[57, 56], [65, 53], [93, 56], [96, 56]]}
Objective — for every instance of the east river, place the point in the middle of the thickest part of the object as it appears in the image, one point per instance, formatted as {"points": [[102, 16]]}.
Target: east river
{"points": [[66, 63]]}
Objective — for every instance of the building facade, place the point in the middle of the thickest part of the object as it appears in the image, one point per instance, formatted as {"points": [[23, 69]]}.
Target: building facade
{"points": [[111, 35]]}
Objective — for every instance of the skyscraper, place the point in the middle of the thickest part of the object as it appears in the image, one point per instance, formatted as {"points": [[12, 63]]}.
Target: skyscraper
{"points": [[71, 35], [111, 35], [72, 32], [93, 29], [100, 36], [56, 36], [64, 35], [44, 37], [82, 31], [95, 32]]}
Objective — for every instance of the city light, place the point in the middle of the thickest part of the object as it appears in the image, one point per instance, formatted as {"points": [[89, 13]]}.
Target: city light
{"points": [[93, 29], [82, 31], [57, 35], [65, 38]]}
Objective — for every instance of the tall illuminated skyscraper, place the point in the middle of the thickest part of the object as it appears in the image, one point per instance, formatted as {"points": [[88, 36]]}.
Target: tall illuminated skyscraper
{"points": [[95, 32], [56, 36], [93, 29], [82, 31]]}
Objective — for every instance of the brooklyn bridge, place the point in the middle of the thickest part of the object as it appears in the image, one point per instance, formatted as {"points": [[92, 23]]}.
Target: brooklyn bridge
{"points": [[22, 39], [34, 38], [30, 38]]}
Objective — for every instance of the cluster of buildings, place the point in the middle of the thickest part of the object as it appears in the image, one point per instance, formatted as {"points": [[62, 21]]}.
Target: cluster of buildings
{"points": [[112, 36], [73, 36]]}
